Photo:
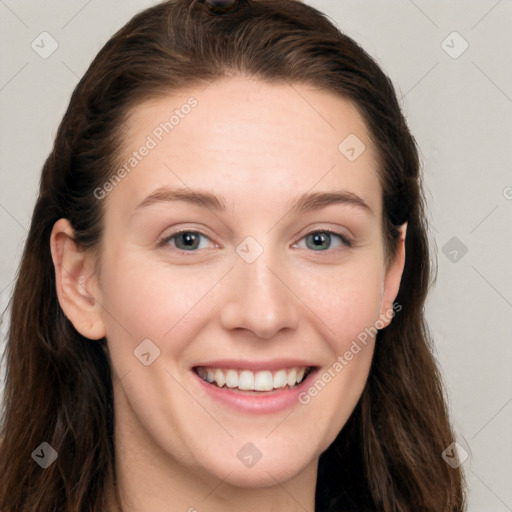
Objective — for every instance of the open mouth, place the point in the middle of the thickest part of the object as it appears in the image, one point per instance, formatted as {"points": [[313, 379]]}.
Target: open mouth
{"points": [[248, 380]]}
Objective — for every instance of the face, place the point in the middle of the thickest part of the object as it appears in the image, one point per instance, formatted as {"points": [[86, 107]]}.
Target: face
{"points": [[231, 316]]}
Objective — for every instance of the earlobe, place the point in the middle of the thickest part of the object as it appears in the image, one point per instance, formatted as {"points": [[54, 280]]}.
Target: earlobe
{"points": [[392, 279], [74, 273]]}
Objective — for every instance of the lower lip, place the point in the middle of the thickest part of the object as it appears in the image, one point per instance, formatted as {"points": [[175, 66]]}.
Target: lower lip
{"points": [[264, 402]]}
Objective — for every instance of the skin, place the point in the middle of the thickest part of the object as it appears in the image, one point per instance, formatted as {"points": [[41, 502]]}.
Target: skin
{"points": [[259, 146]]}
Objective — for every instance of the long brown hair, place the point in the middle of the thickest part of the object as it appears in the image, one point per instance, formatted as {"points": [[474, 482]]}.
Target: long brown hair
{"points": [[59, 384]]}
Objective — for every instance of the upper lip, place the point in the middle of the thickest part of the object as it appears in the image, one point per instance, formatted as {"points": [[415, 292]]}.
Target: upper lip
{"points": [[244, 364]]}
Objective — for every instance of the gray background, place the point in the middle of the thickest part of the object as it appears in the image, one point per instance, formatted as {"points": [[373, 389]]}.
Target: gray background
{"points": [[459, 107]]}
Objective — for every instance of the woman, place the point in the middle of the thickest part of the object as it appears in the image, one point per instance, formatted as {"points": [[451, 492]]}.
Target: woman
{"points": [[220, 302]]}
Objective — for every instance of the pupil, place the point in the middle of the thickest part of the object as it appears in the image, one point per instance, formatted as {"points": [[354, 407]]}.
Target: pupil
{"points": [[320, 239], [189, 239]]}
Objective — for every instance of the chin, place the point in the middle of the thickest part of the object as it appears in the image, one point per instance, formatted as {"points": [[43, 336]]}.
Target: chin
{"points": [[279, 467]]}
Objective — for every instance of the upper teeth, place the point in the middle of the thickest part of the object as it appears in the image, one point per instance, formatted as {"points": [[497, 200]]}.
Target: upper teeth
{"points": [[247, 380]]}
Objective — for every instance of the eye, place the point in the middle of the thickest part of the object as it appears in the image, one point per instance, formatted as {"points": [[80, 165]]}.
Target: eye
{"points": [[185, 240], [322, 240]]}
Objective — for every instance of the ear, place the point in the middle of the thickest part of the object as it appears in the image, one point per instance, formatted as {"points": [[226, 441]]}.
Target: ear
{"points": [[393, 276], [74, 278]]}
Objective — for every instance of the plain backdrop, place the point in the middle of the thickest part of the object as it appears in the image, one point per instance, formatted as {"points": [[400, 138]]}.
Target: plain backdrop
{"points": [[451, 66]]}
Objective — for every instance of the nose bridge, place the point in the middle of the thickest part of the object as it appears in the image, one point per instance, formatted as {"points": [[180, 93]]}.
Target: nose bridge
{"points": [[259, 298]]}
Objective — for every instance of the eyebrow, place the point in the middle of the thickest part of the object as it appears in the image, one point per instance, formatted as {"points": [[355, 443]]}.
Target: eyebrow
{"points": [[304, 203]]}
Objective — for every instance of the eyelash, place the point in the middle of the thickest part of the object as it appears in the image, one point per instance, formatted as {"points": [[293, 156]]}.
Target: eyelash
{"points": [[345, 241]]}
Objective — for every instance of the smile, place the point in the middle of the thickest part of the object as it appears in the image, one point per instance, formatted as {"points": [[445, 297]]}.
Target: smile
{"points": [[248, 380]]}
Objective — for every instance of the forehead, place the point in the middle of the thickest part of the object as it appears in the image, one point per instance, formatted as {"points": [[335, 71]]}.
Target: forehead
{"points": [[244, 138]]}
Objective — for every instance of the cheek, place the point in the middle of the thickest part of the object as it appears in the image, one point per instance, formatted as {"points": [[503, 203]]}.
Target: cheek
{"points": [[346, 306], [344, 298], [147, 299]]}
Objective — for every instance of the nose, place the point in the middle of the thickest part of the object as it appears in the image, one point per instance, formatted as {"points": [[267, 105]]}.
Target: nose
{"points": [[260, 298]]}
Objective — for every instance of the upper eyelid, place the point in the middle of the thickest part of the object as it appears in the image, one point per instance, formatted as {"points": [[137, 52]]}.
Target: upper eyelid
{"points": [[346, 240], [186, 230]]}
